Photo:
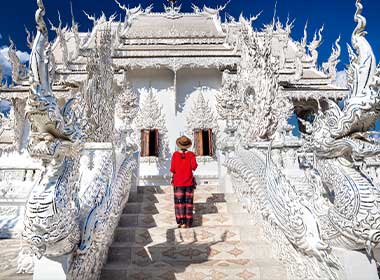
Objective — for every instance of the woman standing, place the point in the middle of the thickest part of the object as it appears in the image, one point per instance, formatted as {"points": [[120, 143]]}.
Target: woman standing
{"points": [[183, 164]]}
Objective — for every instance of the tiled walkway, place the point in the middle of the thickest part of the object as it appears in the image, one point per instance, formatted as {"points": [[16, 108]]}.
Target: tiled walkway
{"points": [[9, 249], [223, 244]]}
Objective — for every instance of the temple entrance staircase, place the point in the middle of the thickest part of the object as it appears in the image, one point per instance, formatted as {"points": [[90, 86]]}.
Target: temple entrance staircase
{"points": [[225, 243]]}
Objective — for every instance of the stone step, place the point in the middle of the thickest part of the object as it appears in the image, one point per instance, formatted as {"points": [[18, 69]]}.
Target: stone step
{"points": [[168, 219], [169, 189], [146, 236], [10, 249], [199, 208], [132, 253], [168, 197], [229, 269]]}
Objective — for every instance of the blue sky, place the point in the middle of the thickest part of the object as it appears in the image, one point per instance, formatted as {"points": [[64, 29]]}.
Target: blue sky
{"points": [[336, 15]]}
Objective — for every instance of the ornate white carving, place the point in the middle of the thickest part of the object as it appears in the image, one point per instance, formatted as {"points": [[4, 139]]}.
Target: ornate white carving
{"points": [[295, 215], [131, 14], [314, 45], [98, 23], [201, 116], [19, 72], [127, 107], [172, 11], [25, 262], [340, 138], [258, 75], [75, 31], [300, 54], [102, 203], [326, 200], [99, 93], [152, 117], [29, 38], [51, 226], [329, 67], [229, 105], [304, 38], [67, 213], [216, 11], [61, 37], [269, 193]]}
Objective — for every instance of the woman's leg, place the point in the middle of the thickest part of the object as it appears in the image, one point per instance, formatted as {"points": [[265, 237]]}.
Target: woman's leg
{"points": [[180, 205], [189, 206]]}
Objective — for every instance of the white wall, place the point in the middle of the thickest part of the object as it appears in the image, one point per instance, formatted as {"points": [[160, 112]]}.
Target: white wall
{"points": [[176, 103]]}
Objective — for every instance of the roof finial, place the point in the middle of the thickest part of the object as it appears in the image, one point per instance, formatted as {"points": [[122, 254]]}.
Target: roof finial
{"points": [[172, 2], [172, 11]]}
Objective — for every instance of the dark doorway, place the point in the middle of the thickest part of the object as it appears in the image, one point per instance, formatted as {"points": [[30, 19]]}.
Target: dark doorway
{"points": [[149, 143], [203, 140]]}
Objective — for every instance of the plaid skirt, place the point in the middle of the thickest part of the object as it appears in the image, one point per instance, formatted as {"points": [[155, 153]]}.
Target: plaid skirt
{"points": [[183, 203]]}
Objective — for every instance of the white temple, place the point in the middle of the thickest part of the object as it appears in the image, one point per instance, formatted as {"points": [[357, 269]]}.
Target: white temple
{"points": [[84, 167]]}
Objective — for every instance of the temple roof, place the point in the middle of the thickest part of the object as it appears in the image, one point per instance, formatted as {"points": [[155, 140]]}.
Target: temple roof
{"points": [[176, 40], [183, 26]]}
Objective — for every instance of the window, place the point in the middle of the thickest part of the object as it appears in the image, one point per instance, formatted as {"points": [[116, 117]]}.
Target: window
{"points": [[149, 143], [203, 142]]}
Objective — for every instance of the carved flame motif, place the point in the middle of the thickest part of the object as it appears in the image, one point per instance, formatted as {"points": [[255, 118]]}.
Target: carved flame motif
{"points": [[51, 213], [340, 138], [349, 217], [263, 106]]}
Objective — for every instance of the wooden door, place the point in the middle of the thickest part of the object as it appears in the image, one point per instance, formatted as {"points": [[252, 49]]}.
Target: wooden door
{"points": [[145, 135], [198, 142], [210, 143]]}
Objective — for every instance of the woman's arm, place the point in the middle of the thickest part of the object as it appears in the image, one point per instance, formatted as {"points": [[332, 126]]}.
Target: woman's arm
{"points": [[172, 165], [193, 162]]}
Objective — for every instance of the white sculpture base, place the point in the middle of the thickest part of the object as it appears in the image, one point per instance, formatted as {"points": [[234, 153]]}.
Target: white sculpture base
{"points": [[357, 265], [51, 268]]}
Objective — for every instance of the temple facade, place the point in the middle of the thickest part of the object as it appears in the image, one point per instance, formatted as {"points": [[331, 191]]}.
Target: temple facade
{"points": [[177, 64], [86, 148]]}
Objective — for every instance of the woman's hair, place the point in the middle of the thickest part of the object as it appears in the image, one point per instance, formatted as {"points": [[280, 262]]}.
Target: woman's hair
{"points": [[183, 153]]}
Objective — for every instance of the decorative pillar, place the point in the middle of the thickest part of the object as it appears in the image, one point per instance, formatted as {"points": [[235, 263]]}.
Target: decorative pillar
{"points": [[175, 70], [18, 107]]}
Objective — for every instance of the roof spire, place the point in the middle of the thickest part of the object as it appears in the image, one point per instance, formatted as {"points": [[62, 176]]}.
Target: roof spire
{"points": [[172, 11]]}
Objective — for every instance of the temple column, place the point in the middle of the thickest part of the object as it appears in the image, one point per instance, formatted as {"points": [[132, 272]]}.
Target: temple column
{"points": [[175, 70], [18, 107]]}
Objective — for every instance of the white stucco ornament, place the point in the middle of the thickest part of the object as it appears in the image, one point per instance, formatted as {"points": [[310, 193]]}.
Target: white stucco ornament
{"points": [[89, 100], [152, 117]]}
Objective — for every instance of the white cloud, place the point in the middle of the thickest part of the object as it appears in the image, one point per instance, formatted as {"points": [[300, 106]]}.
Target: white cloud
{"points": [[5, 63], [341, 79]]}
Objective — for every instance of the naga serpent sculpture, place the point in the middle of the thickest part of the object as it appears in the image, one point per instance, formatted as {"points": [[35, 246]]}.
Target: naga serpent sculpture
{"points": [[51, 225]]}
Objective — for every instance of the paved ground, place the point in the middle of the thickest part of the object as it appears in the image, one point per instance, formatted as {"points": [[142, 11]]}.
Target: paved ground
{"points": [[223, 244], [9, 249]]}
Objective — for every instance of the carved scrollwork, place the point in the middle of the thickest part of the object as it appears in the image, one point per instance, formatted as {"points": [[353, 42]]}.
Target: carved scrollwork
{"points": [[99, 93], [51, 211], [330, 66], [264, 109], [201, 116], [152, 117], [19, 71], [342, 138], [315, 44]]}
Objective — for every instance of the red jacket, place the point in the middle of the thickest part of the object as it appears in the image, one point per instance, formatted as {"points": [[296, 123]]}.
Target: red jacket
{"points": [[182, 167]]}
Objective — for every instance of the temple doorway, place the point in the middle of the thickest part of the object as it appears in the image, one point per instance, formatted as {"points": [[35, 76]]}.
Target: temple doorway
{"points": [[149, 143], [203, 142]]}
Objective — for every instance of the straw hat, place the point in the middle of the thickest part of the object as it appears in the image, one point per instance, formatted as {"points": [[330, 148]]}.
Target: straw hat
{"points": [[183, 142]]}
